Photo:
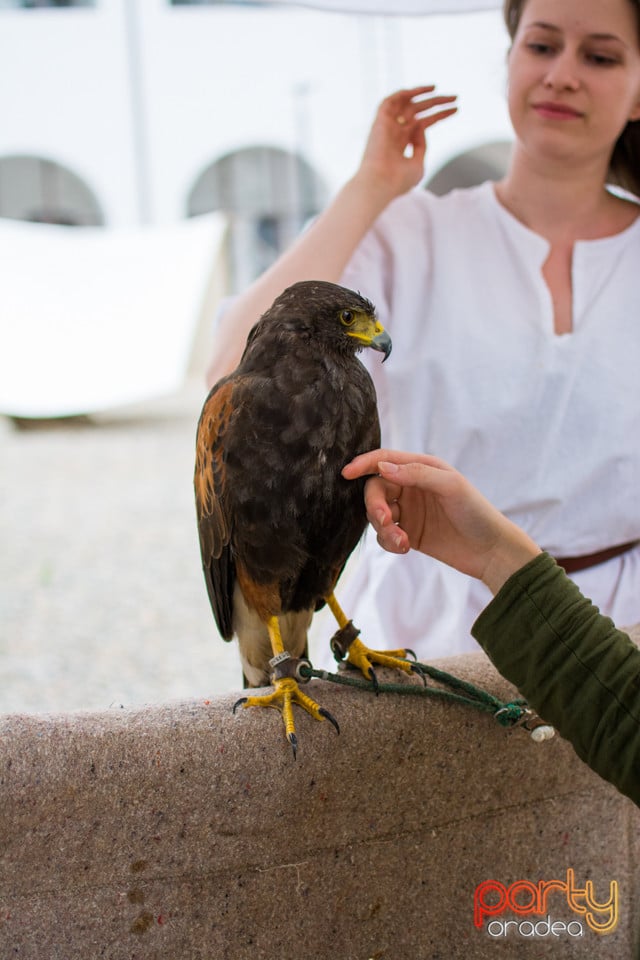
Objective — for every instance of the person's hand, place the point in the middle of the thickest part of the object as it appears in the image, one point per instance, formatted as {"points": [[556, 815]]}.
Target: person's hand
{"points": [[420, 502], [395, 151]]}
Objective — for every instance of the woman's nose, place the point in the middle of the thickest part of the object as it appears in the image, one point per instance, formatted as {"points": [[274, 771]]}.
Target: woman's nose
{"points": [[562, 73]]}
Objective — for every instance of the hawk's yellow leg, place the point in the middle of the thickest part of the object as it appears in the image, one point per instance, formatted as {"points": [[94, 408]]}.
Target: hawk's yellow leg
{"points": [[363, 657], [286, 693]]}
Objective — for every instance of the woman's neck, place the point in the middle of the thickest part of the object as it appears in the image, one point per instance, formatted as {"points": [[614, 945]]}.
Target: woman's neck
{"points": [[564, 204]]}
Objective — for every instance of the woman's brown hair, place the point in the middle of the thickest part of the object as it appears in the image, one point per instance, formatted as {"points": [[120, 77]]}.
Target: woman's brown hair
{"points": [[624, 166]]}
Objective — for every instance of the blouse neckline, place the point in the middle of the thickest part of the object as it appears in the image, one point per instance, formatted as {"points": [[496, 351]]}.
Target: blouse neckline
{"points": [[612, 240]]}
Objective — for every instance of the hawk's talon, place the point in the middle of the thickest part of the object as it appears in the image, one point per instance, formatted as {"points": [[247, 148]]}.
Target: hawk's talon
{"points": [[285, 694], [419, 669], [410, 654], [329, 716], [363, 659], [239, 703]]}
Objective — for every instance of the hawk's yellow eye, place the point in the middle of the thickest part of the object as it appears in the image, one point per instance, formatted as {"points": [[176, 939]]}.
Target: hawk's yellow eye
{"points": [[347, 317]]}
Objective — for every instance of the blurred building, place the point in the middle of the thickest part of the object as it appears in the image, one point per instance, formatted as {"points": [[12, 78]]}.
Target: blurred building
{"points": [[135, 112]]}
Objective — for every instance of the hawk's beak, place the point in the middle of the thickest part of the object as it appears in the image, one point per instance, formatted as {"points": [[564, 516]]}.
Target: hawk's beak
{"points": [[382, 342], [371, 333]]}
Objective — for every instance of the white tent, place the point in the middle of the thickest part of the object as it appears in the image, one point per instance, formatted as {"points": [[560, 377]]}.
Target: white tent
{"points": [[91, 319]]}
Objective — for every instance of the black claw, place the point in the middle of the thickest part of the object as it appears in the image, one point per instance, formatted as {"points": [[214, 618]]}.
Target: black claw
{"points": [[328, 716], [417, 668], [239, 703], [410, 653], [374, 680], [293, 740]]}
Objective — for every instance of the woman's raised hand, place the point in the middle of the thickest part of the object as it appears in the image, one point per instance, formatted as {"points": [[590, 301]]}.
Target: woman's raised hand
{"points": [[396, 147], [323, 251]]}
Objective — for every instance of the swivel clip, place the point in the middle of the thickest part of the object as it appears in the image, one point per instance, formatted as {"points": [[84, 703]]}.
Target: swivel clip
{"points": [[284, 665]]}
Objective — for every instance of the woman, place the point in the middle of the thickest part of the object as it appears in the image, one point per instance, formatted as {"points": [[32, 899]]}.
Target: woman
{"points": [[571, 663], [513, 310]]}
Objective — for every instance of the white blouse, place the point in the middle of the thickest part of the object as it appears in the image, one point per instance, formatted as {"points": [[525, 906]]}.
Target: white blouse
{"points": [[546, 426]]}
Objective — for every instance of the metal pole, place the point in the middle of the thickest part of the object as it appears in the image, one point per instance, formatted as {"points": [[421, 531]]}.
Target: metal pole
{"points": [[138, 112]]}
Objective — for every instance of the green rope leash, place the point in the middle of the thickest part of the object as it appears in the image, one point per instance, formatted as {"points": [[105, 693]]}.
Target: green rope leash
{"points": [[514, 713]]}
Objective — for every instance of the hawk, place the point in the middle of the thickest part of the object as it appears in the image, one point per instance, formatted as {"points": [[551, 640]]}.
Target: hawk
{"points": [[276, 519]]}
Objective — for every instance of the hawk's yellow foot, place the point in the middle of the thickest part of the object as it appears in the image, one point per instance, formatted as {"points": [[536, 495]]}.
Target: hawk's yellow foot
{"points": [[286, 693], [345, 643], [363, 658], [285, 670]]}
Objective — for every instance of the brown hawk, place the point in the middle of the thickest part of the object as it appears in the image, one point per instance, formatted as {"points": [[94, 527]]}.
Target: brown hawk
{"points": [[276, 519]]}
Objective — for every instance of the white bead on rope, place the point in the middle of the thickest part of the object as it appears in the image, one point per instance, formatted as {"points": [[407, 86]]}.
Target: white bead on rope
{"points": [[542, 733]]}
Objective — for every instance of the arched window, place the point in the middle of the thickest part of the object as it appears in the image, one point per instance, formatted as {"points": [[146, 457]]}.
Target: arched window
{"points": [[33, 4], [486, 162], [43, 191], [218, 3], [268, 195]]}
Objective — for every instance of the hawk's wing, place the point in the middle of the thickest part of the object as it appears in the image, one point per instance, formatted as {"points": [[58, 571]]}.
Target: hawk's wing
{"points": [[214, 518]]}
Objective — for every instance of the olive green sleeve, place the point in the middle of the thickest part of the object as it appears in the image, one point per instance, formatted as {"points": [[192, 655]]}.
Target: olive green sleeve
{"points": [[573, 666]]}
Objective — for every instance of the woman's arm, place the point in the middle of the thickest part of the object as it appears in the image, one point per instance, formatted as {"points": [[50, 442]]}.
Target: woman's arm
{"points": [[393, 163], [573, 666]]}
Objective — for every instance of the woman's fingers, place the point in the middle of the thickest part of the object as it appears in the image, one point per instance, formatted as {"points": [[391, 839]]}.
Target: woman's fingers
{"points": [[379, 499], [394, 540], [421, 107], [433, 118], [433, 477], [383, 514], [402, 100], [368, 463], [407, 106]]}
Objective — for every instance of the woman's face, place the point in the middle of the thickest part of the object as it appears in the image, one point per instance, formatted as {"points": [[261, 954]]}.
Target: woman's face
{"points": [[574, 77]]}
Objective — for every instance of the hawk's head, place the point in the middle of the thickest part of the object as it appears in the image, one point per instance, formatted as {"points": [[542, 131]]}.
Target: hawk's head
{"points": [[340, 318]]}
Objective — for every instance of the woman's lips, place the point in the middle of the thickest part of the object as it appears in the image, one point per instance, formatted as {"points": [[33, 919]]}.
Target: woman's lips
{"points": [[556, 111]]}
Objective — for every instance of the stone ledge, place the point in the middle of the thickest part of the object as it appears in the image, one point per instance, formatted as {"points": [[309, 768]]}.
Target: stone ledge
{"points": [[181, 831]]}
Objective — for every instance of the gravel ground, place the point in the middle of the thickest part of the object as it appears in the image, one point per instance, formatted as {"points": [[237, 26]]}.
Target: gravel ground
{"points": [[102, 599]]}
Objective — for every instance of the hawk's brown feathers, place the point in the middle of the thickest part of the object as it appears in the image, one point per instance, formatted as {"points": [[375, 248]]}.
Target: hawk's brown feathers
{"points": [[276, 519]]}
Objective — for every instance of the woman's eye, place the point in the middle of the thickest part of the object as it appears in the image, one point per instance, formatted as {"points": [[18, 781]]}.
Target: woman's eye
{"points": [[347, 317], [540, 48], [601, 59]]}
